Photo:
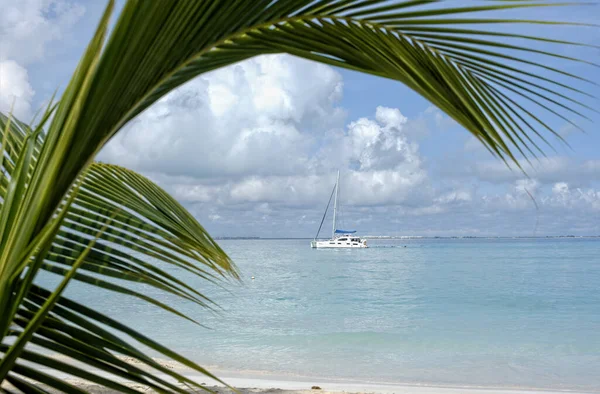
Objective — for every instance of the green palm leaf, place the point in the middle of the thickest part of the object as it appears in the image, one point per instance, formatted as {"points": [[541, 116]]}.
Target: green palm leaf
{"points": [[104, 225], [113, 222]]}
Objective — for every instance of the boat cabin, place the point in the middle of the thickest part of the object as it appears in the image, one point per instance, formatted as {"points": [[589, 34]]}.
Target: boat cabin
{"points": [[347, 241]]}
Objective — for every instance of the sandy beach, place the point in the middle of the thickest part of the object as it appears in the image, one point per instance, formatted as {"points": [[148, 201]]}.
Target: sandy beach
{"points": [[258, 382], [260, 386]]}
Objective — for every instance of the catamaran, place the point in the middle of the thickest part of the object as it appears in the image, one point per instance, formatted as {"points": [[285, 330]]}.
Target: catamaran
{"points": [[339, 238]]}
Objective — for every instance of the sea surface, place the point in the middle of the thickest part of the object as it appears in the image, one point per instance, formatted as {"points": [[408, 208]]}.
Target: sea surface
{"points": [[473, 312]]}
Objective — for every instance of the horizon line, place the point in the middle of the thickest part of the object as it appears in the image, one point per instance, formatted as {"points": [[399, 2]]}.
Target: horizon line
{"points": [[419, 237]]}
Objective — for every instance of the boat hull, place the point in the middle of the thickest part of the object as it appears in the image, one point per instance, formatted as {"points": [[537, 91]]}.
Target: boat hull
{"points": [[335, 244], [340, 239]]}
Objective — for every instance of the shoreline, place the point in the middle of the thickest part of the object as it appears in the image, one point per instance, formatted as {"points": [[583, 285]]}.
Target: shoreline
{"points": [[259, 385], [283, 385], [300, 383], [264, 382]]}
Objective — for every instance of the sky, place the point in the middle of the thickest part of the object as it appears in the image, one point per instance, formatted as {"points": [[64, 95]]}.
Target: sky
{"points": [[253, 149]]}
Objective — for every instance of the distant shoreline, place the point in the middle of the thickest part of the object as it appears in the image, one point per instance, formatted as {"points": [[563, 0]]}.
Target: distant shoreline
{"points": [[408, 237]]}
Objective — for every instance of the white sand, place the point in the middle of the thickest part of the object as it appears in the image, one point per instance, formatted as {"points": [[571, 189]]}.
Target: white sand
{"points": [[260, 386], [256, 382]]}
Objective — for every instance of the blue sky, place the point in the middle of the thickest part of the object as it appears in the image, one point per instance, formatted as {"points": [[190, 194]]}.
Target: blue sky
{"points": [[258, 157]]}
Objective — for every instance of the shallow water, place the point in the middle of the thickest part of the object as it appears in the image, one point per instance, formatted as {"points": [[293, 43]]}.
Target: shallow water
{"points": [[501, 312]]}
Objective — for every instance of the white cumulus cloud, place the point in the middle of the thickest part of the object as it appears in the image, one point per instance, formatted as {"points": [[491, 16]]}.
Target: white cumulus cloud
{"points": [[258, 117], [16, 92], [270, 129]]}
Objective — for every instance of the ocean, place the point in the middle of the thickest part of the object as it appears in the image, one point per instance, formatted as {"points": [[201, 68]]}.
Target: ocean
{"points": [[468, 312]]}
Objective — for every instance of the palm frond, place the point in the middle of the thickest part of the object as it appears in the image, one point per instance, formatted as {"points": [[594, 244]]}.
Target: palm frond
{"points": [[113, 222], [102, 224]]}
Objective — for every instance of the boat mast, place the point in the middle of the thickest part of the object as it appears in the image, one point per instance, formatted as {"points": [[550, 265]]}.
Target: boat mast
{"points": [[337, 186]]}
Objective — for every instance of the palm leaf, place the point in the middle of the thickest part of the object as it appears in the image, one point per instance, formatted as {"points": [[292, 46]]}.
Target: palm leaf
{"points": [[102, 224], [113, 221]]}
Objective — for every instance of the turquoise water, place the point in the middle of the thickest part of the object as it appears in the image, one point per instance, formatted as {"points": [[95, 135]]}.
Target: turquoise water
{"points": [[522, 312]]}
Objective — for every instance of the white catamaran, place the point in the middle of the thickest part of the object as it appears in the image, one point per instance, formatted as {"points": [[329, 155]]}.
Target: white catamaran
{"points": [[339, 238]]}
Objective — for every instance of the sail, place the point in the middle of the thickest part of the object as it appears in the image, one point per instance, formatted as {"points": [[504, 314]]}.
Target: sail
{"points": [[335, 193]]}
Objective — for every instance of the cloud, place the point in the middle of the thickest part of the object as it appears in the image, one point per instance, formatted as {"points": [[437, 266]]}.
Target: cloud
{"points": [[260, 117], [389, 178], [270, 130], [563, 196], [26, 29], [16, 92], [27, 26], [547, 170], [592, 168], [378, 144], [252, 149], [530, 195]]}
